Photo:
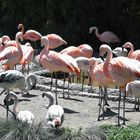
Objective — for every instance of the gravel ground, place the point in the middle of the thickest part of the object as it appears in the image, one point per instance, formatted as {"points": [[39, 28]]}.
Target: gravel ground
{"points": [[81, 110]]}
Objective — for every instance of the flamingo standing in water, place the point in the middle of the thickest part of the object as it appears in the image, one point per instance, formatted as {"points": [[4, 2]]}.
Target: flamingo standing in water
{"points": [[55, 113], [25, 115], [132, 54], [12, 54], [106, 37], [122, 70]]}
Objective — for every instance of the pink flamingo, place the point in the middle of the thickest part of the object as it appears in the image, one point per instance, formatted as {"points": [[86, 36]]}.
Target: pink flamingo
{"points": [[28, 54], [97, 75], [53, 61], [4, 38], [106, 37], [12, 54], [83, 50], [132, 54], [29, 34], [55, 41], [121, 69]]}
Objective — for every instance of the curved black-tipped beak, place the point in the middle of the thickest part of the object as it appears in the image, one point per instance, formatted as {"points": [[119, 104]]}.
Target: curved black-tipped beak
{"points": [[102, 58]]}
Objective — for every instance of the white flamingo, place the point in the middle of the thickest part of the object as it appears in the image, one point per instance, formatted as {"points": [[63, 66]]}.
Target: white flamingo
{"points": [[25, 115], [133, 89], [12, 79], [119, 52], [55, 113]]}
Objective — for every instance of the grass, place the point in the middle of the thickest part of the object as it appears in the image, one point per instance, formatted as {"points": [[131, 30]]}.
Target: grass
{"points": [[15, 130], [131, 132]]}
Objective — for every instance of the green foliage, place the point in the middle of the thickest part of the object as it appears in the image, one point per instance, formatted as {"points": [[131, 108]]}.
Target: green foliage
{"points": [[131, 132], [15, 130]]}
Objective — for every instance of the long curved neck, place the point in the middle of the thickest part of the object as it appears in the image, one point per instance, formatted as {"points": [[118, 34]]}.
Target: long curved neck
{"points": [[51, 100], [29, 82], [15, 107], [22, 29], [44, 51], [19, 47], [97, 32], [131, 50], [107, 63]]}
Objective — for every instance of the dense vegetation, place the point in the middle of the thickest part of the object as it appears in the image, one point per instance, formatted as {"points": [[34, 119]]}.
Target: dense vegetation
{"points": [[14, 130], [71, 19], [131, 132]]}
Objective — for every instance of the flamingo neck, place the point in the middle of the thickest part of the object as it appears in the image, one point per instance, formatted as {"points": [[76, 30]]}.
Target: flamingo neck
{"points": [[97, 32], [106, 66], [28, 83], [131, 50], [19, 48], [22, 29], [15, 107]]}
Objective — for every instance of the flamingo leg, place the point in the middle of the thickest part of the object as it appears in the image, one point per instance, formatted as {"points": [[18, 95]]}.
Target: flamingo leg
{"points": [[56, 89], [83, 80], [124, 97], [100, 101], [69, 77], [64, 80], [28, 69], [119, 106], [51, 81]]}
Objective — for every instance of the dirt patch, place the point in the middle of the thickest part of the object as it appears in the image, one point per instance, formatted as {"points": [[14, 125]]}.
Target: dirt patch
{"points": [[81, 110]]}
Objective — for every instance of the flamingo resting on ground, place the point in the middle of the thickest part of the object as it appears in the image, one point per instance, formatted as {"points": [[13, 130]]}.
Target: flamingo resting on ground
{"points": [[106, 37], [122, 70], [14, 79], [24, 116], [133, 89], [55, 113]]}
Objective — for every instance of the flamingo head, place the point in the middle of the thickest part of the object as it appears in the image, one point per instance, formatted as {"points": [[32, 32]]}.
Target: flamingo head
{"points": [[44, 41], [91, 29], [20, 27], [103, 50], [127, 45], [56, 122]]}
